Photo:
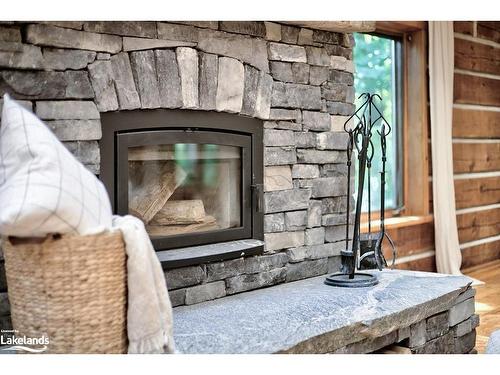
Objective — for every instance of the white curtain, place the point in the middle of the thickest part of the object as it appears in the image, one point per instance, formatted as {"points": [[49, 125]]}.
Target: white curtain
{"points": [[441, 66]]}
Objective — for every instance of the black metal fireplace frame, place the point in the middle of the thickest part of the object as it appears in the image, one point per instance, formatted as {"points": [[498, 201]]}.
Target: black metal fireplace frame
{"points": [[125, 129]]}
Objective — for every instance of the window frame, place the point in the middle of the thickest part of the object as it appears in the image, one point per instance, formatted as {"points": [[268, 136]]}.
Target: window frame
{"points": [[415, 121]]}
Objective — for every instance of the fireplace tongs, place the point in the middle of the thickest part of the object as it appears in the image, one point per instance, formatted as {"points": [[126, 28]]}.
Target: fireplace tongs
{"points": [[370, 246]]}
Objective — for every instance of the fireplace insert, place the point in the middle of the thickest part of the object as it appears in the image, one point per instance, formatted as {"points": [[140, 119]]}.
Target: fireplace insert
{"points": [[194, 178]]}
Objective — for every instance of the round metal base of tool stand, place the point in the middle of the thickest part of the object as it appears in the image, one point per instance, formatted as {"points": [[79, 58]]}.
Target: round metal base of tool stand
{"points": [[360, 280]]}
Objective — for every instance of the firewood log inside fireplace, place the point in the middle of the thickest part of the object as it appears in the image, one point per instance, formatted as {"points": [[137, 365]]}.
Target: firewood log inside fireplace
{"points": [[151, 185], [180, 212]]}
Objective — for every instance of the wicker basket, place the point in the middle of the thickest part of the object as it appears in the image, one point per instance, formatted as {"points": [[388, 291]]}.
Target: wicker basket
{"points": [[70, 288]]}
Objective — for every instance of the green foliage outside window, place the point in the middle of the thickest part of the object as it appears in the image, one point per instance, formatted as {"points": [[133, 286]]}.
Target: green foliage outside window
{"points": [[374, 59]]}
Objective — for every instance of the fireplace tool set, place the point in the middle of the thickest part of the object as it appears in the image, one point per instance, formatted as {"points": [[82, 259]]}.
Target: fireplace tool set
{"points": [[365, 251]]}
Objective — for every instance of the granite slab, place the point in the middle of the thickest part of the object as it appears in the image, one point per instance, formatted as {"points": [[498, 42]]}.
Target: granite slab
{"points": [[308, 316]]}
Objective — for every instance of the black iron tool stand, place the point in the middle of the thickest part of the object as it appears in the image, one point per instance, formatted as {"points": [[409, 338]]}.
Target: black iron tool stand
{"points": [[365, 251]]}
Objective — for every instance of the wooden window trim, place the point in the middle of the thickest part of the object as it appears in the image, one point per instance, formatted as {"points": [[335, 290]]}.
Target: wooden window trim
{"points": [[415, 122], [398, 222], [400, 27]]}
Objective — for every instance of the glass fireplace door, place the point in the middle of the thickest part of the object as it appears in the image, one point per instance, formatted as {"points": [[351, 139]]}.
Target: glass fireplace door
{"points": [[188, 187]]}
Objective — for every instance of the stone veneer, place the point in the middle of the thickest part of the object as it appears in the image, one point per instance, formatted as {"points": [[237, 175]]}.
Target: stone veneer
{"points": [[297, 80]]}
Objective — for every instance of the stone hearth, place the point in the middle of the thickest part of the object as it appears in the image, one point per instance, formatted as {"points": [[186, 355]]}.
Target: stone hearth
{"points": [[423, 312]]}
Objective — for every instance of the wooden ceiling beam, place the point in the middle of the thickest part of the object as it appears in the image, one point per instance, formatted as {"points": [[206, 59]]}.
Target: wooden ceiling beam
{"points": [[400, 26]]}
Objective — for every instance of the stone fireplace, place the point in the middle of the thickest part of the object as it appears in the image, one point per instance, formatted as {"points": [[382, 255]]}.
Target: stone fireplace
{"points": [[225, 137]]}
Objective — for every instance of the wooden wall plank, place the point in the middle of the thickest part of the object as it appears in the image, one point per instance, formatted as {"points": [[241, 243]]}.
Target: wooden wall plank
{"points": [[489, 30], [480, 224], [427, 264], [463, 27], [476, 157], [469, 123], [477, 57], [410, 240], [475, 255], [476, 90], [475, 192]]}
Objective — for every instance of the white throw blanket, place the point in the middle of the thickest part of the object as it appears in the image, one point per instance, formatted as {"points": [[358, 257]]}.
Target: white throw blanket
{"points": [[149, 315], [39, 194]]}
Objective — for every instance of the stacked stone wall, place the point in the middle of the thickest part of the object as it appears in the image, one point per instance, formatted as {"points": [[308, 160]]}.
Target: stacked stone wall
{"points": [[298, 81]]}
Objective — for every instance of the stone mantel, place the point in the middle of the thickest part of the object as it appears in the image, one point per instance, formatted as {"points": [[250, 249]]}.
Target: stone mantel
{"points": [[310, 317], [337, 26]]}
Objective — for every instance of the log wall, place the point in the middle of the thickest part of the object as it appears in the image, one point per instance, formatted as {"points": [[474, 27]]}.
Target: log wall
{"points": [[476, 140], [476, 154]]}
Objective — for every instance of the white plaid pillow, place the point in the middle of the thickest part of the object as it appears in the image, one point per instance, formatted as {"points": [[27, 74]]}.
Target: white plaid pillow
{"points": [[43, 188]]}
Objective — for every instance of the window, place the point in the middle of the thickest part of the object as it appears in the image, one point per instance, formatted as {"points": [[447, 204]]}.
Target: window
{"points": [[378, 69]]}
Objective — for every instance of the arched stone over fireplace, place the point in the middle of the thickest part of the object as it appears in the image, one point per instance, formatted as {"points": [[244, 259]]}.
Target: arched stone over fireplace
{"points": [[180, 78]]}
